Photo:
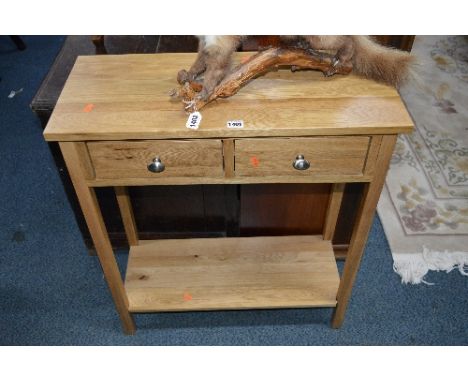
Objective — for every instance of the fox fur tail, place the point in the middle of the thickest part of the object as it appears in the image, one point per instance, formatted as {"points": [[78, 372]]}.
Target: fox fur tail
{"points": [[391, 66]]}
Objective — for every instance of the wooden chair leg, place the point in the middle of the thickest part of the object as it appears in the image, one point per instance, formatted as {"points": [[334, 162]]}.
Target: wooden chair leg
{"points": [[95, 222], [98, 42], [361, 229]]}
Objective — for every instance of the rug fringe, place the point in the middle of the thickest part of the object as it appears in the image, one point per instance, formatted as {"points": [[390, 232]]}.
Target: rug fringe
{"points": [[413, 267]]}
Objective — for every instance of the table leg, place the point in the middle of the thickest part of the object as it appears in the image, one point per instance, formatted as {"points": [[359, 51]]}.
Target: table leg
{"points": [[95, 222], [361, 229], [333, 209], [126, 211]]}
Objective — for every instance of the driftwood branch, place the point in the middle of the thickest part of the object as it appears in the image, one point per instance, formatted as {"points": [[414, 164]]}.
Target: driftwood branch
{"points": [[256, 65]]}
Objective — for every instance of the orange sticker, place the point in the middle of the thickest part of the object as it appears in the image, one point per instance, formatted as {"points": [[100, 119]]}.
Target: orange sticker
{"points": [[187, 297], [255, 162], [89, 107]]}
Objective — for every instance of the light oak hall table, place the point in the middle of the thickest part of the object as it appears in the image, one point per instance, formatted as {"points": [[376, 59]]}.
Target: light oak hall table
{"points": [[117, 126]]}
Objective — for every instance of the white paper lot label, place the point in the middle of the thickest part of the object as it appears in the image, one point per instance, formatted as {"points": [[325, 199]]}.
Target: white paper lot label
{"points": [[236, 124], [193, 120]]}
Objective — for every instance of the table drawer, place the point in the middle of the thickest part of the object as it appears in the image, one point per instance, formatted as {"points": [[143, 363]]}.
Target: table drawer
{"points": [[326, 156], [181, 158]]}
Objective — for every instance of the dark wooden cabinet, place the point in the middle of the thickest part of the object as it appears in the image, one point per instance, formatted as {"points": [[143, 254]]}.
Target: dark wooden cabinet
{"points": [[398, 41]]}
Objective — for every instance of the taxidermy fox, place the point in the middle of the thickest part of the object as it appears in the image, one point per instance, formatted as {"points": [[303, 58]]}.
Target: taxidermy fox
{"points": [[368, 58]]}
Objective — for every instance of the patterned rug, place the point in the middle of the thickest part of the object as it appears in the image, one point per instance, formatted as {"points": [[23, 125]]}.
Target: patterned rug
{"points": [[424, 204]]}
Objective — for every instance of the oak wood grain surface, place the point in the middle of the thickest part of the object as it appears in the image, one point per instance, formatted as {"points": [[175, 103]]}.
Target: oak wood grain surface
{"points": [[183, 158], [274, 157], [129, 98], [231, 273]]}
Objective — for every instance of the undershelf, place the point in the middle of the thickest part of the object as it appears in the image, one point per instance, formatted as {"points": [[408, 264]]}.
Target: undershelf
{"points": [[231, 273]]}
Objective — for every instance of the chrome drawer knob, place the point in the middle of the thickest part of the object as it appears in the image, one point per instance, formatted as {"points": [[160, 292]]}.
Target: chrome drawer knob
{"points": [[156, 165], [300, 163]]}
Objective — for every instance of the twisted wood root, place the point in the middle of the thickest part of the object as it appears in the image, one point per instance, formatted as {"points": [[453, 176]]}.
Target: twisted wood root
{"points": [[254, 66]]}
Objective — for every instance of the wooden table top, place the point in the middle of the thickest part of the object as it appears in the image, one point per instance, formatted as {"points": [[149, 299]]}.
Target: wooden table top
{"points": [[118, 97]]}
